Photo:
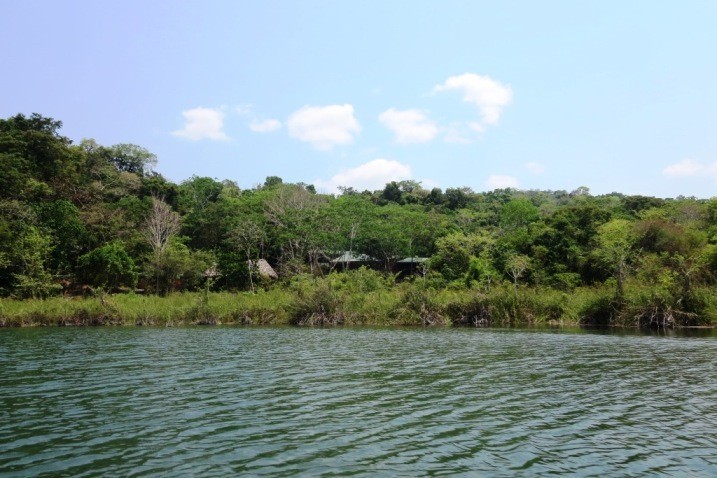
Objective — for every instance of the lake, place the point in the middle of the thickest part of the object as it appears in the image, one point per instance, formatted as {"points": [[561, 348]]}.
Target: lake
{"points": [[228, 401]]}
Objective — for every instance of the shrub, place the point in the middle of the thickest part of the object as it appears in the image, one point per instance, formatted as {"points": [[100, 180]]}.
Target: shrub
{"points": [[566, 281], [600, 311], [418, 305], [320, 305], [108, 266], [361, 280]]}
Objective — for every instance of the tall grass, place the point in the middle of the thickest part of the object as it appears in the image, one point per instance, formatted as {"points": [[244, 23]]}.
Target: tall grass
{"points": [[368, 298], [189, 308]]}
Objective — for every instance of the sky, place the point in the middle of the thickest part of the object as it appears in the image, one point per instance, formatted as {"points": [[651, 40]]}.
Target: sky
{"points": [[553, 95]]}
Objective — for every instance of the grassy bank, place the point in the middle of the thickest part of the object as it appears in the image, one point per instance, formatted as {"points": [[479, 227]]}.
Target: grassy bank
{"points": [[364, 298]]}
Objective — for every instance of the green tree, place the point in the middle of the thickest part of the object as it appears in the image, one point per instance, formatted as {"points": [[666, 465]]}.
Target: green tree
{"points": [[31, 256], [389, 233], [131, 158], [392, 192], [272, 181], [516, 266], [203, 211], [480, 270], [616, 247], [518, 213], [248, 238], [453, 255], [300, 225], [563, 244], [62, 222], [180, 268], [109, 266], [456, 198], [435, 197], [37, 161]]}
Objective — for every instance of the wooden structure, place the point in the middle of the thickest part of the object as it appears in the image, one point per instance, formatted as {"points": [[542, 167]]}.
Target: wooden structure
{"points": [[411, 265], [263, 268], [350, 261]]}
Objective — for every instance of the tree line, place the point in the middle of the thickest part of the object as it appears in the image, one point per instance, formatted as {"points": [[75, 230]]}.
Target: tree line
{"points": [[83, 215]]}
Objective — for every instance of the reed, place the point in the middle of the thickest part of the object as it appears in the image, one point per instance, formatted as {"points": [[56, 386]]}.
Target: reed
{"points": [[370, 299]]}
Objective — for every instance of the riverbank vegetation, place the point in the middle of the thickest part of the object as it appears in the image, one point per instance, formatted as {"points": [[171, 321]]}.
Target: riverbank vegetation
{"points": [[91, 235]]}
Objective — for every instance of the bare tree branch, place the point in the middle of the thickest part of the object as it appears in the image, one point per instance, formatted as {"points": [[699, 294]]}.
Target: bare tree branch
{"points": [[162, 224]]}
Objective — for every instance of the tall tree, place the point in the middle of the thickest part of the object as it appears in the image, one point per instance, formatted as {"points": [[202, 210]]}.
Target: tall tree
{"points": [[161, 226], [516, 266], [131, 158], [32, 254], [616, 245], [248, 237]]}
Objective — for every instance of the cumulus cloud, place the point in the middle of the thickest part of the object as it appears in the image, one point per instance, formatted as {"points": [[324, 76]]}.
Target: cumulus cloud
{"points": [[324, 126], [487, 94], [372, 175], [202, 123], [498, 181], [688, 167], [535, 168], [409, 126], [265, 126]]}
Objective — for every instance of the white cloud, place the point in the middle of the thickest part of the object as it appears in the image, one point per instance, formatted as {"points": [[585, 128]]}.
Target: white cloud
{"points": [[455, 135], [202, 123], [244, 110], [265, 126], [488, 95], [687, 167], [476, 126], [409, 126], [372, 175], [498, 181], [535, 168], [324, 126]]}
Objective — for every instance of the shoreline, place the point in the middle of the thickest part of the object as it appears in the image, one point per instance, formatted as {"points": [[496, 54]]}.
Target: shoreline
{"points": [[321, 305]]}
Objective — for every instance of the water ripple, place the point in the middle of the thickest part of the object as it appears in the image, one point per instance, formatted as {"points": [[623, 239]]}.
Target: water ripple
{"points": [[354, 402]]}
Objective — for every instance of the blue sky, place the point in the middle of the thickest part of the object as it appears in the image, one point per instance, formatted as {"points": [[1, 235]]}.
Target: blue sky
{"points": [[616, 96]]}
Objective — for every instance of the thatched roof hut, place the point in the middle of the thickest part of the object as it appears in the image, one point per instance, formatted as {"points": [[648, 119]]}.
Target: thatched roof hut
{"points": [[264, 269]]}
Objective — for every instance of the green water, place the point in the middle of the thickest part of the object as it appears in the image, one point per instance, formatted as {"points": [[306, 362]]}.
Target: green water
{"points": [[367, 402]]}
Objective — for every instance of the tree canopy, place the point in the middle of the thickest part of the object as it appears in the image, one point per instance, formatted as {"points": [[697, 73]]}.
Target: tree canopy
{"points": [[88, 214]]}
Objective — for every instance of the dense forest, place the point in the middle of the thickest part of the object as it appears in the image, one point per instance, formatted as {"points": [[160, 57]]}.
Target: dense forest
{"points": [[80, 218]]}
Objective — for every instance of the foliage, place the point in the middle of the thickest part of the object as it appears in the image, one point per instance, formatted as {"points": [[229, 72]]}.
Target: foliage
{"points": [[318, 305], [481, 272], [179, 269], [418, 304], [108, 266], [616, 242], [518, 213], [31, 254], [100, 215], [453, 255], [515, 267]]}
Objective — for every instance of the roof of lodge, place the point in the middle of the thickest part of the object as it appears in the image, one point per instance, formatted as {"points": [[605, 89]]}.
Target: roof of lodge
{"points": [[348, 256], [409, 260]]}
